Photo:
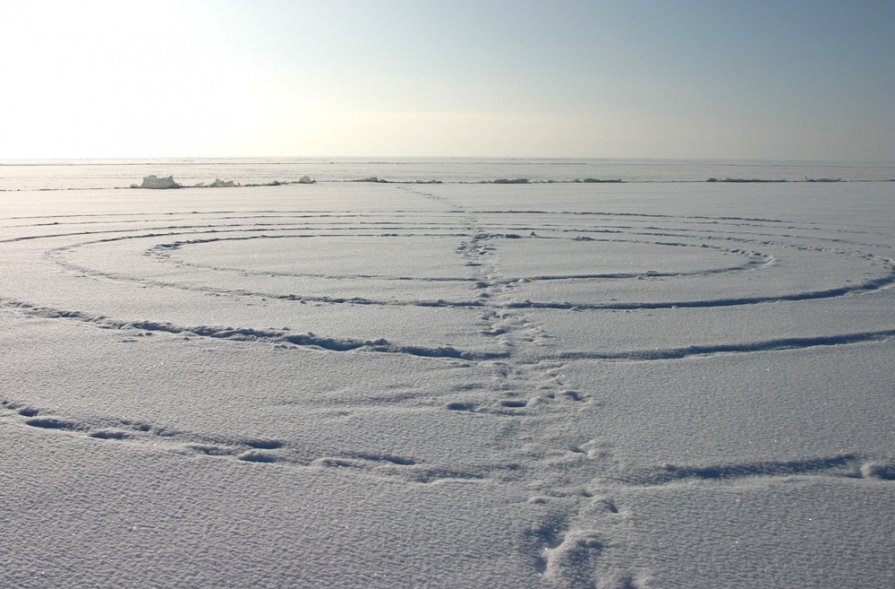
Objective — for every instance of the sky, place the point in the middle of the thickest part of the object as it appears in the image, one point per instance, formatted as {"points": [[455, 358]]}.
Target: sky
{"points": [[750, 79]]}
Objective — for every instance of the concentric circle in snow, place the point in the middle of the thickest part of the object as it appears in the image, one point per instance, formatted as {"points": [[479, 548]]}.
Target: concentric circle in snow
{"points": [[462, 283]]}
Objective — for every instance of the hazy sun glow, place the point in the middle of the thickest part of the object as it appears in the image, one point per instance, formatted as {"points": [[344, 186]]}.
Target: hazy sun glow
{"points": [[799, 80]]}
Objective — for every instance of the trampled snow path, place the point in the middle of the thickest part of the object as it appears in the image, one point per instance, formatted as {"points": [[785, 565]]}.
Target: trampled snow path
{"points": [[533, 305]]}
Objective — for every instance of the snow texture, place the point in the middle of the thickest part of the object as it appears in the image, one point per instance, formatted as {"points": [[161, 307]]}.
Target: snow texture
{"points": [[587, 385]]}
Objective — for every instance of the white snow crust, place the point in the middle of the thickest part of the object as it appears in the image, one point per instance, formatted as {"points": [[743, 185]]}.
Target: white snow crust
{"points": [[569, 386]]}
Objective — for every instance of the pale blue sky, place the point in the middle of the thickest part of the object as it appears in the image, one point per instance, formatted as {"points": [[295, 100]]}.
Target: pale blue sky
{"points": [[758, 79]]}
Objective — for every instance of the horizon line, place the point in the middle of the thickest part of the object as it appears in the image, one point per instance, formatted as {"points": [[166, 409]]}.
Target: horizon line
{"points": [[388, 158]]}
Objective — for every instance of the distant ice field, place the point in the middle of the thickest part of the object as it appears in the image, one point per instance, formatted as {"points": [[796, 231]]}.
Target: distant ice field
{"points": [[547, 385], [122, 173]]}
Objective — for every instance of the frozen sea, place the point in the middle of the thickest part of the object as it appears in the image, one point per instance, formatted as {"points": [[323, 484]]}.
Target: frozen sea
{"points": [[120, 173], [443, 381]]}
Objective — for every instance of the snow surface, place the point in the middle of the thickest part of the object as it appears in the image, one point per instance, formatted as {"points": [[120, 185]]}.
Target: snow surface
{"points": [[367, 385]]}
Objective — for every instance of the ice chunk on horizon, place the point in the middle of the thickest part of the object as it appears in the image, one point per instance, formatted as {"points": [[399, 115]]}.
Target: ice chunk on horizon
{"points": [[154, 182]]}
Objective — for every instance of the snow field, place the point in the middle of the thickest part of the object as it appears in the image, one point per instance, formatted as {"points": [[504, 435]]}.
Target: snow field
{"points": [[449, 386]]}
